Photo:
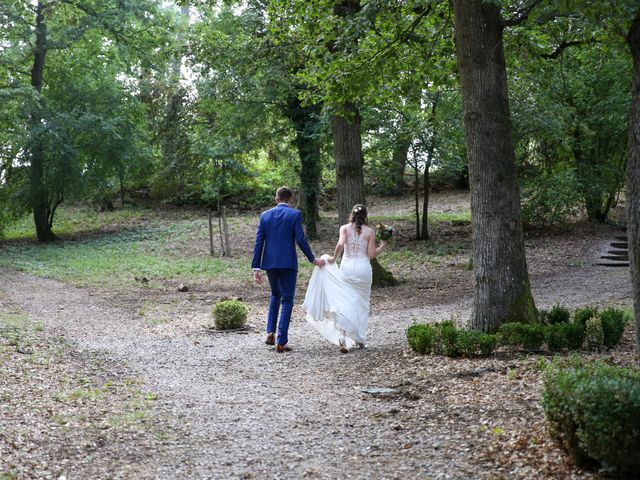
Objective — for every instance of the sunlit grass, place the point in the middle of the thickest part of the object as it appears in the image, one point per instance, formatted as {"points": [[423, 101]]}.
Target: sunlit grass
{"points": [[434, 217], [141, 246], [123, 247], [71, 221]]}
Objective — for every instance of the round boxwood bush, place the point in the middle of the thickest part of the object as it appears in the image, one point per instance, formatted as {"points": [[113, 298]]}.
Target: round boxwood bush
{"points": [[593, 410], [421, 337], [558, 314], [229, 314], [594, 333], [581, 315], [529, 336], [613, 322]]}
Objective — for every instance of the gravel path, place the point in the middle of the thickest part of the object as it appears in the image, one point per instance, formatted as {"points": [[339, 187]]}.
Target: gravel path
{"points": [[233, 408]]}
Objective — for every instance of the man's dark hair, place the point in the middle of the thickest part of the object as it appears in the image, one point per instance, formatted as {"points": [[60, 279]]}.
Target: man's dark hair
{"points": [[284, 194]]}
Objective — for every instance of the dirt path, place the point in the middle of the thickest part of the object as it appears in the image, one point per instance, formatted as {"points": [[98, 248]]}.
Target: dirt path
{"points": [[233, 408]]}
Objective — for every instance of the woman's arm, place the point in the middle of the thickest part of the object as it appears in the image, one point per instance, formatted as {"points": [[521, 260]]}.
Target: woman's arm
{"points": [[372, 251], [340, 245]]}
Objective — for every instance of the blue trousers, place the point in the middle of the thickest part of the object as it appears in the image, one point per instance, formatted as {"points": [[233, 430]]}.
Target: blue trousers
{"points": [[283, 288]]}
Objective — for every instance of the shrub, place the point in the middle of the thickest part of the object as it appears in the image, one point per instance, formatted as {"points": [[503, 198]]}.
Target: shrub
{"points": [[558, 314], [448, 339], [556, 336], [529, 336], [533, 337], [445, 339], [470, 343], [594, 333], [581, 315], [613, 322], [593, 410], [487, 343], [575, 336], [229, 314], [510, 334], [421, 337]]}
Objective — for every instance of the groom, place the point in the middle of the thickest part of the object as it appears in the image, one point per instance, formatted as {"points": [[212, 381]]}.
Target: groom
{"points": [[279, 230]]}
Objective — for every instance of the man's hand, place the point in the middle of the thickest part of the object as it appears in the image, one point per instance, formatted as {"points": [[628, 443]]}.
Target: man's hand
{"points": [[257, 276], [318, 262]]}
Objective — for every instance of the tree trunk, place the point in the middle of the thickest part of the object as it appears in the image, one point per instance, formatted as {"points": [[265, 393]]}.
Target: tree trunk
{"points": [[306, 123], [398, 164], [39, 195], [502, 291], [633, 175], [347, 144], [426, 186]]}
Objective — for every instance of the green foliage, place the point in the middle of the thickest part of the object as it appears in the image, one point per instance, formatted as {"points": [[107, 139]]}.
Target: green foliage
{"points": [[229, 314], [581, 315], [556, 336], [421, 337], [551, 198], [445, 339], [594, 333], [558, 314], [529, 336], [564, 335], [575, 334], [613, 323], [593, 410]]}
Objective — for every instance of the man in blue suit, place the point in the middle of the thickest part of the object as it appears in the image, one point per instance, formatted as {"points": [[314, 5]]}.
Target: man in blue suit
{"points": [[279, 230]]}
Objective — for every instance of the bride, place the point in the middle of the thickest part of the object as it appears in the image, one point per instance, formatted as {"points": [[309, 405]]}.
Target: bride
{"points": [[337, 299]]}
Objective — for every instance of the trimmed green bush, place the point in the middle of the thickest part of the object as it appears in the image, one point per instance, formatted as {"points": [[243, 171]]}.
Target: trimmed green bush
{"points": [[510, 334], [613, 322], [593, 410], [594, 333], [487, 343], [448, 339], [564, 335], [558, 314], [575, 336], [556, 336], [229, 314], [529, 336], [581, 315], [445, 339], [421, 337]]}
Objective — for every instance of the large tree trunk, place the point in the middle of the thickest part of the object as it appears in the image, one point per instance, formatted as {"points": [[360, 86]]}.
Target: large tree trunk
{"points": [[39, 192], [502, 291], [633, 175], [398, 164], [347, 144], [306, 121]]}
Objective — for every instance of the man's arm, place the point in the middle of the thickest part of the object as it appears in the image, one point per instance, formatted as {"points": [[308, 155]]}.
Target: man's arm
{"points": [[258, 247], [301, 240]]}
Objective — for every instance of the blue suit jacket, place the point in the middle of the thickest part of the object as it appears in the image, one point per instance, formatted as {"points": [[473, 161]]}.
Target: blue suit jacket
{"points": [[278, 232]]}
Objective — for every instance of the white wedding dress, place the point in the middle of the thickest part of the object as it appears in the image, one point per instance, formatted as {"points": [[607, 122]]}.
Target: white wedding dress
{"points": [[337, 299]]}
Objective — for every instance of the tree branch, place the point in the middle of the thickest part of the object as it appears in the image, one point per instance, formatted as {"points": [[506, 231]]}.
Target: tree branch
{"points": [[564, 45], [521, 16]]}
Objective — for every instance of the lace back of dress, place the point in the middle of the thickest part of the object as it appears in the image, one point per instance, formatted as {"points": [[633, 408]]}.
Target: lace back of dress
{"points": [[356, 247]]}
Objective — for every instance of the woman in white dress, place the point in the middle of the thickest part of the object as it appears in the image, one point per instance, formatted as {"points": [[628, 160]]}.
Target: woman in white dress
{"points": [[337, 300]]}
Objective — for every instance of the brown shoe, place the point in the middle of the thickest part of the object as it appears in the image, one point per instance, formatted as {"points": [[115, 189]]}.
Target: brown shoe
{"points": [[282, 348], [271, 339]]}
